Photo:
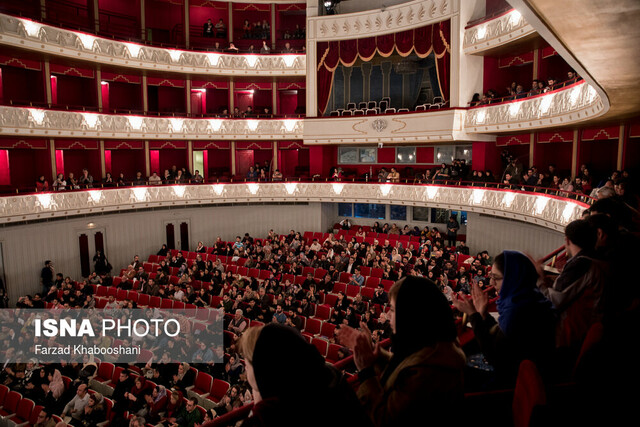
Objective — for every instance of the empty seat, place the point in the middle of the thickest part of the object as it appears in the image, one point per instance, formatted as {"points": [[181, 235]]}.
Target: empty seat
{"points": [[383, 106], [332, 353], [437, 99], [358, 112], [422, 107], [362, 105], [10, 404], [372, 104], [334, 114], [390, 111], [351, 106], [403, 110], [218, 390], [347, 113], [528, 394], [320, 344], [23, 411], [312, 327], [202, 386], [105, 372], [327, 330], [370, 111]]}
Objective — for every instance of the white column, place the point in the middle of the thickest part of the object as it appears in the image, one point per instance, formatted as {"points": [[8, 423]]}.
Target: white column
{"points": [[466, 70], [312, 60]]}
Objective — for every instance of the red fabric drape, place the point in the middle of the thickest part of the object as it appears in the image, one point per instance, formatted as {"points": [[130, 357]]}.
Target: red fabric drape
{"points": [[442, 51], [385, 44], [404, 42], [367, 48], [424, 40]]}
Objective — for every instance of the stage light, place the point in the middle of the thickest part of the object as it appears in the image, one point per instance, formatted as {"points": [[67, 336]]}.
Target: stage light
{"points": [[253, 188], [337, 188], [90, 119], [134, 49], [515, 17], [291, 187]]}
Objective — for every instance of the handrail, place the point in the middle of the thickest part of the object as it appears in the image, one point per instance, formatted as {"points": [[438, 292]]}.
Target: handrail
{"points": [[489, 17], [231, 418], [97, 185]]}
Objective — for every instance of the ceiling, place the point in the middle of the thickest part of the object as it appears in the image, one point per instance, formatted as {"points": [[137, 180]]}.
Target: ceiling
{"points": [[603, 36]]}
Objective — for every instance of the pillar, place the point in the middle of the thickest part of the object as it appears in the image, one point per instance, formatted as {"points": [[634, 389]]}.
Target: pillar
{"points": [[147, 160], [233, 158], [622, 145], [186, 24], [103, 165], [575, 153], [143, 23], [145, 94]]}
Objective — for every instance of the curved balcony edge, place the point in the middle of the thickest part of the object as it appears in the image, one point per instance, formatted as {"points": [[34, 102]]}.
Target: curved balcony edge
{"points": [[569, 105], [62, 124], [31, 35], [499, 31], [393, 19], [544, 210]]}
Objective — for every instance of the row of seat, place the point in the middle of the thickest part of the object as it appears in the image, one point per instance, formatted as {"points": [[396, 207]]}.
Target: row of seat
{"points": [[20, 411]]}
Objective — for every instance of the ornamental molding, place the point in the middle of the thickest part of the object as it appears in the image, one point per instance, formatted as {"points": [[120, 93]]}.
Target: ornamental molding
{"points": [[30, 35], [416, 127], [496, 32], [377, 22], [573, 104], [543, 210], [63, 124]]}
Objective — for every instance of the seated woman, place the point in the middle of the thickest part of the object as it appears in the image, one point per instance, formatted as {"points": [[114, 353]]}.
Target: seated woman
{"points": [[526, 322], [422, 378], [275, 357]]}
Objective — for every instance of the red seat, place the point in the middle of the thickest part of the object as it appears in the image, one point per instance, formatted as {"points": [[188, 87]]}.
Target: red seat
{"points": [[202, 314], [10, 404], [4, 390], [166, 304], [353, 290], [528, 394], [299, 280], [265, 274], [155, 302], [254, 272], [243, 271], [133, 296], [387, 284], [121, 295], [144, 356], [365, 271], [330, 299], [23, 411], [218, 389], [116, 281], [345, 277], [105, 372], [112, 291], [332, 353], [339, 287], [233, 269], [327, 330], [323, 312], [35, 412], [367, 293], [404, 238], [320, 273], [320, 344], [202, 385], [312, 327], [372, 282], [308, 270], [148, 267], [144, 299], [377, 272], [101, 291]]}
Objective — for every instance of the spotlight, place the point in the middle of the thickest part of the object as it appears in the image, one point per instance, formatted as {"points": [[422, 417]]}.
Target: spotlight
{"points": [[330, 6]]}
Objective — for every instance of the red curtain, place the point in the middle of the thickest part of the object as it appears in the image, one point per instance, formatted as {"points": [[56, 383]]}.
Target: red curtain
{"points": [[422, 40], [442, 51]]}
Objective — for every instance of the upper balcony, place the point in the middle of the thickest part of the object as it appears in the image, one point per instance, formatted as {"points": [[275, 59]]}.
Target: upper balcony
{"points": [[34, 36], [497, 30]]}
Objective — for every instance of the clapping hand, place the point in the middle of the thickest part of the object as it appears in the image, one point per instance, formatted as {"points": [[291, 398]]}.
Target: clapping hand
{"points": [[364, 351]]}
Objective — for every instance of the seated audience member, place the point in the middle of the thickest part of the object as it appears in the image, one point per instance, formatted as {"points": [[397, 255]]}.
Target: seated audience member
{"points": [[393, 176], [42, 184], [44, 419], [275, 357], [75, 407], [265, 49], [422, 377], [518, 336]]}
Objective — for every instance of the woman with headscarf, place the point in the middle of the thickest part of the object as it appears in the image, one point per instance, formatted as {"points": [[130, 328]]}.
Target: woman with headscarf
{"points": [[53, 390], [292, 385], [94, 412], [526, 322], [422, 378], [156, 404], [184, 377]]}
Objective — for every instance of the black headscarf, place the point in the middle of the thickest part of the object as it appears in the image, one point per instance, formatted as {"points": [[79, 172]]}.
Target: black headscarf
{"points": [[423, 318], [297, 386]]}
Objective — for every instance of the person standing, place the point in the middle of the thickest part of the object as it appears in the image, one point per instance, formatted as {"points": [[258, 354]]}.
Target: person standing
{"points": [[46, 276], [452, 230]]}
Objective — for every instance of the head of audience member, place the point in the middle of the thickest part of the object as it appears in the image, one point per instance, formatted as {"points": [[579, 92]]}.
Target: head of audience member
{"points": [[579, 236]]}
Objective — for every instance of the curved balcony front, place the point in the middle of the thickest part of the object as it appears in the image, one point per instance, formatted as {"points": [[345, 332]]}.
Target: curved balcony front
{"points": [[497, 31], [547, 211], [31, 35]]}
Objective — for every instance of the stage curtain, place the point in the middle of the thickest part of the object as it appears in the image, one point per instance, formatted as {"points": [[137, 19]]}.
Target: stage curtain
{"points": [[367, 48], [404, 42], [385, 44], [329, 54], [348, 52], [442, 51], [422, 41]]}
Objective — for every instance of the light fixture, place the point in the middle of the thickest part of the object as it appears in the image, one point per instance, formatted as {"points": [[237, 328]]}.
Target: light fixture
{"points": [[213, 58], [175, 55], [592, 94], [90, 119], [252, 125], [291, 187], [432, 192], [289, 125], [251, 60], [140, 193], [481, 116], [288, 60], [135, 121], [44, 200], [218, 189], [215, 124], [95, 195], [134, 49], [545, 104], [574, 95], [91, 225], [37, 115], [87, 40], [176, 124], [567, 213], [515, 17], [337, 187], [179, 190], [253, 188], [514, 108], [385, 189], [478, 195], [482, 31], [508, 199], [541, 203], [32, 28], [400, 157]]}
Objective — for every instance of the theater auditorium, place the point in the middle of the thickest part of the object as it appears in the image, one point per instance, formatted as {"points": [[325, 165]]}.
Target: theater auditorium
{"points": [[352, 213]]}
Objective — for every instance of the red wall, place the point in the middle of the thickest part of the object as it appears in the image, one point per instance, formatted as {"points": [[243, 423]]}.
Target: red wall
{"points": [[167, 99], [170, 157], [219, 161], [600, 156], [27, 165], [22, 84], [262, 99], [127, 161], [553, 66], [77, 91], [125, 96], [557, 153], [217, 100], [76, 160]]}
